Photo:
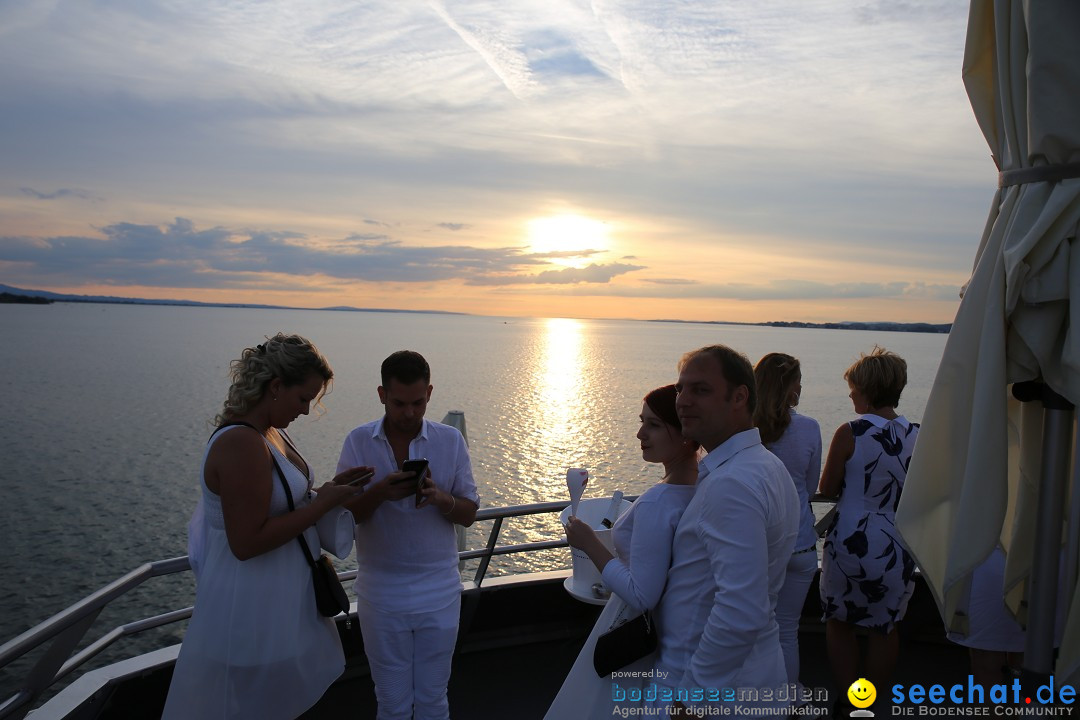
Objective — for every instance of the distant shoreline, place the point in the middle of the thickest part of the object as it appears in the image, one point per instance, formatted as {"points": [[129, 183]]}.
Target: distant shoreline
{"points": [[44, 296], [7, 297], [935, 328], [39, 296]]}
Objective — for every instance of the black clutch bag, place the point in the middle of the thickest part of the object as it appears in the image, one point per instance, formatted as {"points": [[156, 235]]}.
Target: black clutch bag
{"points": [[624, 644], [330, 597]]}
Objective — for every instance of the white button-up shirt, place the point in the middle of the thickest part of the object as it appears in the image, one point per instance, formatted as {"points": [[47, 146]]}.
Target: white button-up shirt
{"points": [[716, 618], [406, 556]]}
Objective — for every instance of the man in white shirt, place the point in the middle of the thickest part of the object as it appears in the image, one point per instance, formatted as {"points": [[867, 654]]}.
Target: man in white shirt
{"points": [[408, 588], [719, 640]]}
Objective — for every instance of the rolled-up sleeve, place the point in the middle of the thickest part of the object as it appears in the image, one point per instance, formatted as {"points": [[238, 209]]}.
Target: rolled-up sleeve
{"points": [[463, 485], [348, 457]]}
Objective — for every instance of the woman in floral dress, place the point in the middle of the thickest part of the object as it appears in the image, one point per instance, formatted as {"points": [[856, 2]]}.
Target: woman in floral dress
{"points": [[866, 574]]}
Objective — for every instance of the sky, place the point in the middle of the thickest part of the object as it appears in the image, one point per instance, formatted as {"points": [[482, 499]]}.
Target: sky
{"points": [[805, 160]]}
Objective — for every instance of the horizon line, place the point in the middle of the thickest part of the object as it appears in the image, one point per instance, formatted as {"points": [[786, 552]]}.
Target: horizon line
{"points": [[881, 325]]}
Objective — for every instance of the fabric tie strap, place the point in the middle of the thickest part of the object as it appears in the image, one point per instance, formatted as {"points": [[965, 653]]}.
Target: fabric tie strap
{"points": [[1042, 173]]}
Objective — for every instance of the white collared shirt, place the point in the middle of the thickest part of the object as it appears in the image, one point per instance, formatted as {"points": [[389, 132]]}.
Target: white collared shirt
{"points": [[717, 616], [406, 556]]}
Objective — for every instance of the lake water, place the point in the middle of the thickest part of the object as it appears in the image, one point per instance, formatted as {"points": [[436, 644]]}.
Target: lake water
{"points": [[106, 409]]}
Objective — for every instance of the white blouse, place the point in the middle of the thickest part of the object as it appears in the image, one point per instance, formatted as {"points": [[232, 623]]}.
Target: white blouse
{"points": [[643, 538]]}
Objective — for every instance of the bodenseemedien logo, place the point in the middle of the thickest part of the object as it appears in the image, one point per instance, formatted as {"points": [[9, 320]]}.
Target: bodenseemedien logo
{"points": [[862, 695]]}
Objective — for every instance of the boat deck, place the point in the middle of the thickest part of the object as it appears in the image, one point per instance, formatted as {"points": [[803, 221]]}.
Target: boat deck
{"points": [[520, 635], [534, 676], [510, 665]]}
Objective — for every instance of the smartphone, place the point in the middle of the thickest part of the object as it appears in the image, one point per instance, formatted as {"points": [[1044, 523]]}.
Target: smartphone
{"points": [[362, 479], [418, 466]]}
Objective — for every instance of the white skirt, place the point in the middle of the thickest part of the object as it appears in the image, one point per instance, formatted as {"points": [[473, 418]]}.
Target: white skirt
{"points": [[584, 695], [255, 647]]}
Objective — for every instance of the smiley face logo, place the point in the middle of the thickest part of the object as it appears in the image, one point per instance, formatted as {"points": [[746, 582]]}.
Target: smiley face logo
{"points": [[862, 693]]}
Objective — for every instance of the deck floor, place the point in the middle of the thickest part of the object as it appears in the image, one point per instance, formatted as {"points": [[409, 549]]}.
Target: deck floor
{"points": [[514, 669], [536, 674]]}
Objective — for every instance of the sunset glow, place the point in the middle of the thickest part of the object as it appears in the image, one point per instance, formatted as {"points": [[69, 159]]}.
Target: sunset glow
{"points": [[696, 160], [569, 239]]}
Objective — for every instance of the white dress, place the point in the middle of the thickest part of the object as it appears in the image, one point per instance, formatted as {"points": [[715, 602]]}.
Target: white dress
{"points": [[256, 647], [642, 539]]}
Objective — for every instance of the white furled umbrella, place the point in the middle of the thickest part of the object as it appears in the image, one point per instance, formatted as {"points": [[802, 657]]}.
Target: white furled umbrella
{"points": [[983, 456]]}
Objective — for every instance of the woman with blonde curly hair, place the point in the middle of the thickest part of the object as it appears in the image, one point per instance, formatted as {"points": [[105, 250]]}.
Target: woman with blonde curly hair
{"points": [[867, 576], [256, 646], [796, 440]]}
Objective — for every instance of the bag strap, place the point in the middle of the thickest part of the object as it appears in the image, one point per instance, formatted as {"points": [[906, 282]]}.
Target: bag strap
{"points": [[281, 476]]}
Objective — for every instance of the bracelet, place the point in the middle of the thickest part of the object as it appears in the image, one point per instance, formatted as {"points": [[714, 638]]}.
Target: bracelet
{"points": [[452, 506]]}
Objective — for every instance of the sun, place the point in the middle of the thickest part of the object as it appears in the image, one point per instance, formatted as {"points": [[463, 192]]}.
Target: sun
{"points": [[570, 239]]}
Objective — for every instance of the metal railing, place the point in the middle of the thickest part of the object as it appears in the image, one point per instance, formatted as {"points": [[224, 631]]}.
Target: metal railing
{"points": [[498, 515], [64, 631], [68, 627]]}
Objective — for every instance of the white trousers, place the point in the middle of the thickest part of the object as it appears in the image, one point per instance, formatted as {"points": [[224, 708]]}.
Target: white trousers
{"points": [[410, 656], [789, 604]]}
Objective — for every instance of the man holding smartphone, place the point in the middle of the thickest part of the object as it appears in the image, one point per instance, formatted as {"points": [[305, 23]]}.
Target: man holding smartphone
{"points": [[407, 585]]}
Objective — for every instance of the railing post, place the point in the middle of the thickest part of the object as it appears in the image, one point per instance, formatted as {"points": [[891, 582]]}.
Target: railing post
{"points": [[41, 677], [493, 538], [456, 419]]}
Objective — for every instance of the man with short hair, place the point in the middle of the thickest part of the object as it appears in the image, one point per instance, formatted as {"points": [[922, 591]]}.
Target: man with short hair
{"points": [[716, 619], [408, 590]]}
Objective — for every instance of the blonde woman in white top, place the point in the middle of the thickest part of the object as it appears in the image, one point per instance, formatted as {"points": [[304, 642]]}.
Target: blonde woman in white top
{"points": [[256, 646]]}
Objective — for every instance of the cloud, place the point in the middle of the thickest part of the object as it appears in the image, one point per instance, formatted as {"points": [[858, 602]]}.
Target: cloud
{"points": [[591, 274], [829, 129], [60, 193], [917, 14], [498, 50], [671, 281], [787, 289], [566, 254], [178, 254]]}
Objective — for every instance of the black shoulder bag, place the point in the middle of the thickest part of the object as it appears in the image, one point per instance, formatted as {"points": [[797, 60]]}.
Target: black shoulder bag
{"points": [[623, 644], [330, 597]]}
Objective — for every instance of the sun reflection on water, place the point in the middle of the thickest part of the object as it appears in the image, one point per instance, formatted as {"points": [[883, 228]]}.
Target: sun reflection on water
{"points": [[560, 393], [560, 381], [552, 421]]}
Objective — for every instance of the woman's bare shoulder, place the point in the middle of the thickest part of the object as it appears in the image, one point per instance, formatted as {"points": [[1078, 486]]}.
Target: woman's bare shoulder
{"points": [[237, 446]]}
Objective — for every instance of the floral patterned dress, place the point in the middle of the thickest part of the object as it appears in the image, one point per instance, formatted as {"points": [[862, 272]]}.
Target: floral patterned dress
{"points": [[866, 574]]}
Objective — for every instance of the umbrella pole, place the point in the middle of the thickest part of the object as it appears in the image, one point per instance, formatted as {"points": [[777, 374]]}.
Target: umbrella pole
{"points": [[1043, 592]]}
